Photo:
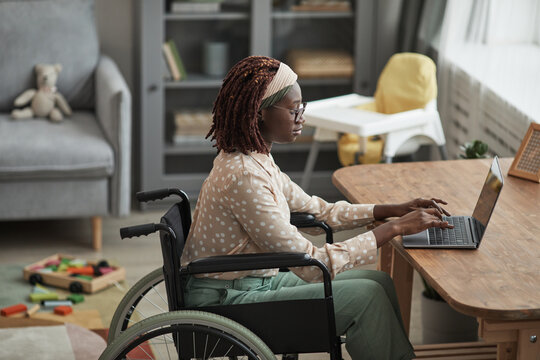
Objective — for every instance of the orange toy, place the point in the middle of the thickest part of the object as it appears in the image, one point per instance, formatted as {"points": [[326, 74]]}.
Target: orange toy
{"points": [[10, 310], [63, 310], [86, 270]]}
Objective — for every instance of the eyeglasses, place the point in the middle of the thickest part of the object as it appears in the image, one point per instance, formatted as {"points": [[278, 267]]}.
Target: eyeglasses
{"points": [[296, 112]]}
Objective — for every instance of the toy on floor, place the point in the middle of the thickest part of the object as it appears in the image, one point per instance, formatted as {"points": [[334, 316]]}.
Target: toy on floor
{"points": [[14, 309], [34, 309], [69, 272], [45, 101], [63, 310]]}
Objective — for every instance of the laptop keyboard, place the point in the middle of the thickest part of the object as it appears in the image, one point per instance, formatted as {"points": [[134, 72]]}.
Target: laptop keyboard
{"points": [[455, 236]]}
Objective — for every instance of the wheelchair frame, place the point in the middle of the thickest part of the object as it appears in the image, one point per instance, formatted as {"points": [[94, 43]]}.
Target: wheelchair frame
{"points": [[173, 229]]}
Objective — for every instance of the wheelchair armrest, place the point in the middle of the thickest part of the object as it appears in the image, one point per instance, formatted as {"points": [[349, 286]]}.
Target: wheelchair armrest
{"points": [[152, 195], [303, 220], [242, 262]]}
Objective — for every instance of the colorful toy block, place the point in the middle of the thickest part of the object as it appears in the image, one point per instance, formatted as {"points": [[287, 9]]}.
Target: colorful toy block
{"points": [[39, 290], [84, 277], [105, 270], [55, 303], [77, 263], [14, 309], [38, 297], [34, 309], [55, 262], [76, 298], [63, 310], [85, 270], [63, 267]]}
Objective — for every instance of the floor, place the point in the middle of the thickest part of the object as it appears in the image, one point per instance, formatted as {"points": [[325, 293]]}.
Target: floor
{"points": [[24, 242]]}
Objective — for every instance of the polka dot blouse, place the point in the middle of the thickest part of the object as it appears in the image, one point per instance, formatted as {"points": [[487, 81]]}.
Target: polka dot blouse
{"points": [[244, 207]]}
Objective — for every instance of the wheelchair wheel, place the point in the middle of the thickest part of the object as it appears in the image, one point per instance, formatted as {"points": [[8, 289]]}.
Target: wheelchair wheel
{"points": [[187, 334], [146, 298]]}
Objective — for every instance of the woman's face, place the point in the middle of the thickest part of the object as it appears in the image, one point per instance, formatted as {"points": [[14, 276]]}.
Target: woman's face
{"points": [[279, 125]]}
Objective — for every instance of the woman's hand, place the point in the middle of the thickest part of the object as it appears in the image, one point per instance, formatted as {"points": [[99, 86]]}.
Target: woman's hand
{"points": [[420, 203], [411, 223], [419, 220], [397, 210]]}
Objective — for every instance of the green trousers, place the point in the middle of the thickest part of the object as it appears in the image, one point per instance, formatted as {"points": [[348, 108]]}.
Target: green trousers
{"points": [[365, 306]]}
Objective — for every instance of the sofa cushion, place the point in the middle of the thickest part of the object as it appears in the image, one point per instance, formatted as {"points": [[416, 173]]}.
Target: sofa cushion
{"points": [[48, 31], [39, 148]]}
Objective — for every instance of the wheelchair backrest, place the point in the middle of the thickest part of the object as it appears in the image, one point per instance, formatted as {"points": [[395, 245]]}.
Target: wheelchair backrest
{"points": [[178, 218]]}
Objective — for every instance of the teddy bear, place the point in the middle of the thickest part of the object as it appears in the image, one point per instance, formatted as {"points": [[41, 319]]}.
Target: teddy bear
{"points": [[45, 101]]}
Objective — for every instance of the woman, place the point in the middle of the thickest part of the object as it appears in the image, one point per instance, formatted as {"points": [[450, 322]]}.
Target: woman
{"points": [[244, 207]]}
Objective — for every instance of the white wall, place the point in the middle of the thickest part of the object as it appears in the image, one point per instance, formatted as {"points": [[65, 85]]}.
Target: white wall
{"points": [[114, 20]]}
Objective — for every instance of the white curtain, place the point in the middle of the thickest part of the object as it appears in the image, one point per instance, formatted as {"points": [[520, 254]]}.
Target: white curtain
{"points": [[489, 72], [538, 27]]}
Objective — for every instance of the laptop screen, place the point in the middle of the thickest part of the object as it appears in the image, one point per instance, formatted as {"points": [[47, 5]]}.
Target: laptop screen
{"points": [[488, 196]]}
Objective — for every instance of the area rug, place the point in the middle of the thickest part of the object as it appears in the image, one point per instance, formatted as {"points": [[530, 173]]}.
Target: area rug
{"points": [[14, 290], [60, 342]]}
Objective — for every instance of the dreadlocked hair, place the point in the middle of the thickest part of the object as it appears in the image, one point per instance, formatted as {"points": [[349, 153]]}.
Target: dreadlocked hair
{"points": [[235, 125]]}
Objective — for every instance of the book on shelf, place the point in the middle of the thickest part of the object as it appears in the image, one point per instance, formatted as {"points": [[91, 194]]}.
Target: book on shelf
{"points": [[195, 6], [167, 74], [171, 62], [191, 126], [323, 5], [177, 59], [188, 139]]}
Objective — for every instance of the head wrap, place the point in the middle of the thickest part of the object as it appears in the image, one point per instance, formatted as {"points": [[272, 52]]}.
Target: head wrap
{"points": [[280, 85]]}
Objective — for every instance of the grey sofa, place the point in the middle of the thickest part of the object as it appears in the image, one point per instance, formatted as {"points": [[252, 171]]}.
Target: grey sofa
{"points": [[79, 167]]}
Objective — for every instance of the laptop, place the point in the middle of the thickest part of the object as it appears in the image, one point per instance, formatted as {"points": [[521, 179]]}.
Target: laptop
{"points": [[468, 230]]}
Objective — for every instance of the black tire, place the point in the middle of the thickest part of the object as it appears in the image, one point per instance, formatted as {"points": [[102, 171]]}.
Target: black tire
{"points": [[35, 279], [75, 287], [290, 357], [103, 263], [198, 334]]}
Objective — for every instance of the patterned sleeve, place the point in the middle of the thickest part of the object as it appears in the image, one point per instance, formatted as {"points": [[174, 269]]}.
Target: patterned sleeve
{"points": [[265, 216], [341, 215]]}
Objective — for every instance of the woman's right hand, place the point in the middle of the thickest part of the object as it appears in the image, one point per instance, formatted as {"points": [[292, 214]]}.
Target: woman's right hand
{"points": [[410, 223], [419, 220]]}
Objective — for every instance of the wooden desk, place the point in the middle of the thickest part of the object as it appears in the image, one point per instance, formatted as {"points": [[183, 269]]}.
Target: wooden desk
{"points": [[499, 283]]}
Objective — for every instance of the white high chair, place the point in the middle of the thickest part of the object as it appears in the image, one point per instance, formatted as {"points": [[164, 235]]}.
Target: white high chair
{"points": [[403, 132]]}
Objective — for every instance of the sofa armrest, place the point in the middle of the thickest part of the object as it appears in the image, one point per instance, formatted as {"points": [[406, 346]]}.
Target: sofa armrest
{"points": [[113, 110]]}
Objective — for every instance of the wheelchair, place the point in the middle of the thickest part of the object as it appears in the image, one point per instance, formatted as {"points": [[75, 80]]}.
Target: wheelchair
{"points": [[152, 322]]}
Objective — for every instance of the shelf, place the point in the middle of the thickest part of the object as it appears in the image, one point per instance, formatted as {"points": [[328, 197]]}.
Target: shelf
{"points": [[208, 16], [205, 147], [195, 81], [302, 147], [325, 81], [279, 15]]}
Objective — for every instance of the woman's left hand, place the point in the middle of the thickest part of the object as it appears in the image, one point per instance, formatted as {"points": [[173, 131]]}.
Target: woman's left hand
{"points": [[419, 203]]}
